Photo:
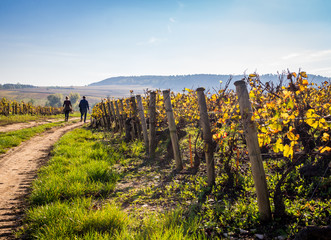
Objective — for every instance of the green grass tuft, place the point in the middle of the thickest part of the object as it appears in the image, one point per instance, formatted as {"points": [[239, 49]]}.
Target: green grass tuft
{"points": [[14, 138], [77, 169], [77, 219]]}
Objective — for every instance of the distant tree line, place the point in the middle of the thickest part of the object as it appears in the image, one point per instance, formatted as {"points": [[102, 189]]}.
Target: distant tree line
{"points": [[15, 86], [57, 99]]}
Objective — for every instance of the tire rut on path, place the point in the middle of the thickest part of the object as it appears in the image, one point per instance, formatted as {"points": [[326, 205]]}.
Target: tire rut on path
{"points": [[18, 168]]}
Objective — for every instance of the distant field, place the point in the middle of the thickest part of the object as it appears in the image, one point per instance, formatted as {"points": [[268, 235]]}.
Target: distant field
{"points": [[93, 94]]}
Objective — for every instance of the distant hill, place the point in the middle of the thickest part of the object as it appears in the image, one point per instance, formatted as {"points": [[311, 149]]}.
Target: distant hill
{"points": [[179, 82]]}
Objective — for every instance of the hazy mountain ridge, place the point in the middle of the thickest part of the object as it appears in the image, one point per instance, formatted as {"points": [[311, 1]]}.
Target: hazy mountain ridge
{"points": [[179, 82]]}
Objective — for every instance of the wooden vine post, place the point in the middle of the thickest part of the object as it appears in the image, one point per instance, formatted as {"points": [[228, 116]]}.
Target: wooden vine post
{"points": [[123, 114], [131, 121], [118, 116], [143, 122], [135, 117], [106, 118], [122, 108], [172, 129], [114, 116], [110, 117], [152, 125], [207, 137], [254, 151]]}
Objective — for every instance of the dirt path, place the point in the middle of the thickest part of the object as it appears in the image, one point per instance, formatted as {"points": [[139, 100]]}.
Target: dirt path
{"points": [[18, 167], [18, 126]]}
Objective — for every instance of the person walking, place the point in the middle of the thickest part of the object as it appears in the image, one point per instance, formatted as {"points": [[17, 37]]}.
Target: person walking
{"points": [[67, 108], [83, 107]]}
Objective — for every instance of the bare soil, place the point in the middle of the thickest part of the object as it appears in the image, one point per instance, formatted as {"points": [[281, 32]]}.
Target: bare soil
{"points": [[18, 168]]}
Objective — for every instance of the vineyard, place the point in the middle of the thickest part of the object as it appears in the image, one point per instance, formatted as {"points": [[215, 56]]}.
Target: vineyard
{"points": [[280, 134], [8, 107]]}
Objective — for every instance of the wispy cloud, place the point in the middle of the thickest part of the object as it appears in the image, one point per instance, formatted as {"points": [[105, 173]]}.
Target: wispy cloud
{"points": [[323, 53], [325, 71], [180, 4], [171, 22], [63, 54], [290, 56], [152, 41], [309, 55]]}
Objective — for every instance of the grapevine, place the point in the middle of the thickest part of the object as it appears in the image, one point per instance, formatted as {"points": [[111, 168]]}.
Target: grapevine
{"points": [[8, 107]]}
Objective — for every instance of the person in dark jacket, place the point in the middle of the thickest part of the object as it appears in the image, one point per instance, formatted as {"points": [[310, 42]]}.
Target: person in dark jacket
{"points": [[83, 107], [67, 108]]}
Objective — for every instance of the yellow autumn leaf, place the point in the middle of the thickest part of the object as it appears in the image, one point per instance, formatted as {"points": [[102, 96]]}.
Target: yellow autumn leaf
{"points": [[255, 117], [278, 146], [310, 113], [312, 122], [292, 136], [325, 137], [252, 75], [251, 94], [322, 121], [305, 82], [261, 139], [264, 129], [188, 90], [302, 87], [275, 127], [286, 94], [324, 149], [312, 119], [284, 115], [288, 151], [303, 74], [290, 104]]}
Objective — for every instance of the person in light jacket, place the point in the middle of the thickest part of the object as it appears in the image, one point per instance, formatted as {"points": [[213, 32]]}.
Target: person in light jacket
{"points": [[83, 107]]}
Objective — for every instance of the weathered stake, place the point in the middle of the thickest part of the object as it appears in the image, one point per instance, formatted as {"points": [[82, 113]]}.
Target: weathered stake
{"points": [[123, 114], [152, 125], [110, 117], [106, 117], [172, 129], [114, 116], [207, 137], [135, 117], [143, 121], [254, 151], [133, 126], [118, 116]]}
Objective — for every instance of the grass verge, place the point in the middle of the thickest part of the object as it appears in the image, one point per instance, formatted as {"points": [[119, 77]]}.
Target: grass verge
{"points": [[5, 120], [14, 138], [66, 199]]}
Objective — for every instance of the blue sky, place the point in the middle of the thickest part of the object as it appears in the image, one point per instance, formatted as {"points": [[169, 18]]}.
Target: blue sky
{"points": [[77, 42]]}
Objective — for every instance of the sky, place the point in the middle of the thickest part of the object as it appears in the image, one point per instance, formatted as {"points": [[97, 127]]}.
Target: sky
{"points": [[78, 42]]}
